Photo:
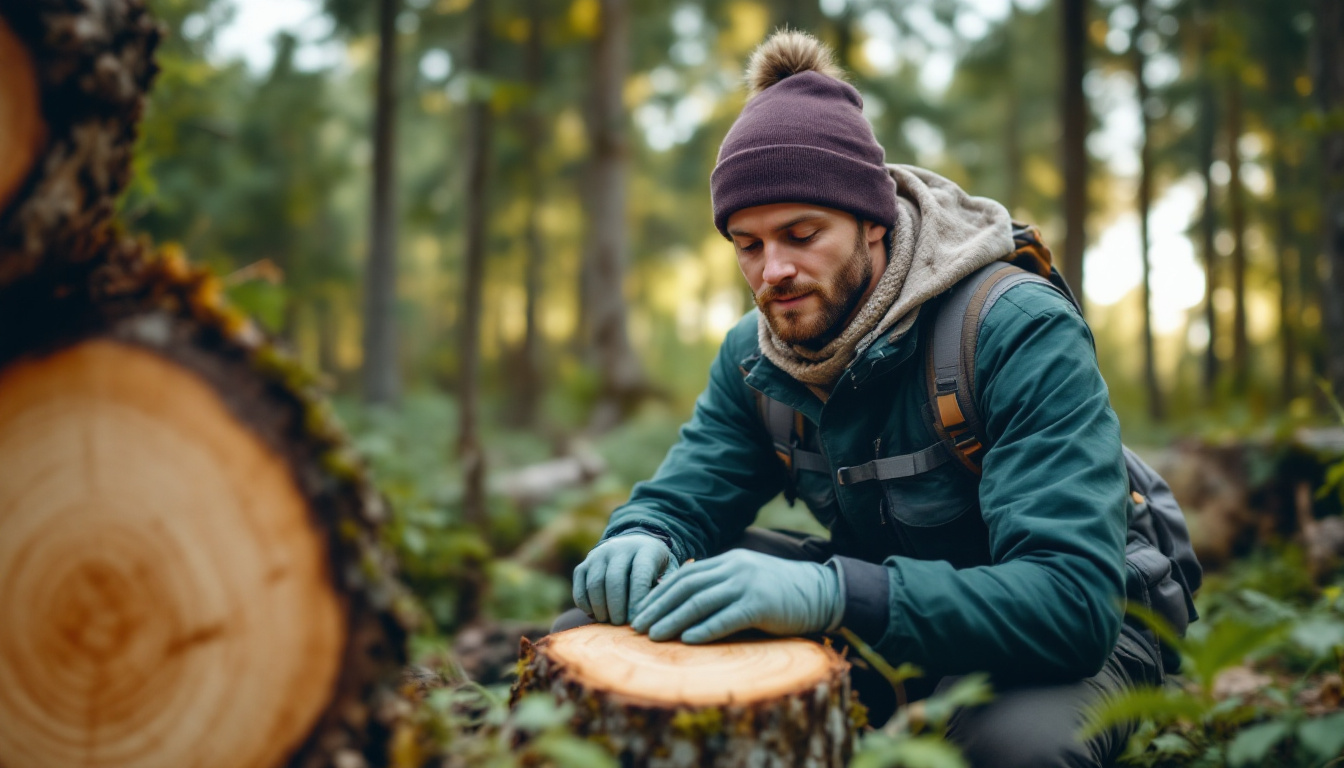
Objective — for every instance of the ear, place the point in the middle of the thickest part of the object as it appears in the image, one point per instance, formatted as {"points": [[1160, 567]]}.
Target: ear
{"points": [[875, 233]]}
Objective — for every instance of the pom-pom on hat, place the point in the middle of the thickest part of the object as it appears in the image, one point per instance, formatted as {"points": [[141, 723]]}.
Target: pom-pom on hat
{"points": [[801, 138]]}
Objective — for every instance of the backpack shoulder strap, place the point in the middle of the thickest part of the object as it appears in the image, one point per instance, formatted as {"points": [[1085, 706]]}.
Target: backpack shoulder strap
{"points": [[785, 426], [950, 361]]}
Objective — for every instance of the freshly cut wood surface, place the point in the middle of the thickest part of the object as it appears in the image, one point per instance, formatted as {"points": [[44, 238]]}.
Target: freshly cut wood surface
{"points": [[621, 661], [21, 126], [773, 702], [166, 596]]}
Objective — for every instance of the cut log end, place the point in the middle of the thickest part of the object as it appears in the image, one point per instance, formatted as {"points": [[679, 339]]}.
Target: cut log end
{"points": [[776, 702], [150, 547], [618, 660], [22, 130]]}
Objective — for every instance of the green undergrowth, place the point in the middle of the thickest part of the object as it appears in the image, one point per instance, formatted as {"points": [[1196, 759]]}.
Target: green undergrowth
{"points": [[1260, 681]]}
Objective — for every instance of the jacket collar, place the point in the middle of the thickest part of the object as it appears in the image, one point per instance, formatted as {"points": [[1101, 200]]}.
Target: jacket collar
{"points": [[885, 355]]}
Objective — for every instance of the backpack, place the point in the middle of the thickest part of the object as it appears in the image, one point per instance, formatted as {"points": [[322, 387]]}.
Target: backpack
{"points": [[1161, 570]]}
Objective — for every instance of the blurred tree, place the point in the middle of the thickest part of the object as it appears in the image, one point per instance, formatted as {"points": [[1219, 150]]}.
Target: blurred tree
{"points": [[477, 149], [1073, 38], [1140, 38], [381, 372], [528, 378], [1328, 71], [382, 380], [1236, 198], [621, 379], [1206, 128]]}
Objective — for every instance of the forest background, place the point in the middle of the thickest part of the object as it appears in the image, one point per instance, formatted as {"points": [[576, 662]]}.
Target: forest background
{"points": [[487, 224]]}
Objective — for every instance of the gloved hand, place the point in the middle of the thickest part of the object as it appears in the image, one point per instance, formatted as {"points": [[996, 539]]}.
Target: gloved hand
{"points": [[618, 573], [737, 590]]}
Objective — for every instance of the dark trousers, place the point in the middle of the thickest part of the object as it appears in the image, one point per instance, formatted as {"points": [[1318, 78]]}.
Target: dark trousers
{"points": [[1024, 725]]}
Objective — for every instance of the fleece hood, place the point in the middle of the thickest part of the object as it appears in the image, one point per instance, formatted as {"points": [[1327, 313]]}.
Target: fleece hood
{"points": [[941, 235]]}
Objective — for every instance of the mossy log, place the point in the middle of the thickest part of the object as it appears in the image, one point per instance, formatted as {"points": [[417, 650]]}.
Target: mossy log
{"points": [[73, 80], [766, 703], [189, 547]]}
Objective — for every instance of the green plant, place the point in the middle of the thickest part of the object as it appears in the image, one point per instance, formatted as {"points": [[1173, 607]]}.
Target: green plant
{"points": [[1246, 669], [915, 736]]}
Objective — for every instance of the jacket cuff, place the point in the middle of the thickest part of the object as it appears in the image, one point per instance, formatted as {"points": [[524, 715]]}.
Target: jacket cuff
{"points": [[648, 529], [866, 596]]}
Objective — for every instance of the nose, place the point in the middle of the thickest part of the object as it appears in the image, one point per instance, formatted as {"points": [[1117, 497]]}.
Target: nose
{"points": [[778, 265]]}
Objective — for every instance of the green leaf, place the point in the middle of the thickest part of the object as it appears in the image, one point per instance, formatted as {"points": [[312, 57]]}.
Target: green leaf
{"points": [[896, 676], [1319, 635], [1252, 745], [1154, 621], [1323, 736], [568, 751], [967, 692], [1227, 644], [538, 711], [880, 751], [1161, 705], [1173, 745]]}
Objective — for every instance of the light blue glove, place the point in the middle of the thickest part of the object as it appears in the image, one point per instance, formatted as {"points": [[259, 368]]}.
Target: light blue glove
{"points": [[740, 589], [618, 573]]}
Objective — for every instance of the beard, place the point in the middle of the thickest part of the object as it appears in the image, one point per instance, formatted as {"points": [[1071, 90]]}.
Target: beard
{"points": [[814, 329]]}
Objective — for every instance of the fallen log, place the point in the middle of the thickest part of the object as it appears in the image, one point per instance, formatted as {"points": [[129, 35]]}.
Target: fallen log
{"points": [[188, 547], [759, 702]]}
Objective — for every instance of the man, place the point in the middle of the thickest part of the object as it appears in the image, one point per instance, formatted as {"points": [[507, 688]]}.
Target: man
{"points": [[1018, 574]]}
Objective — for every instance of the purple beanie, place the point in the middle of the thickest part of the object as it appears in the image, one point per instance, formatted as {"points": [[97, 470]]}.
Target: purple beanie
{"points": [[803, 139]]}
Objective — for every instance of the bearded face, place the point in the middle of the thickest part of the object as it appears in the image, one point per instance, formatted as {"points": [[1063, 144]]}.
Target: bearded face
{"points": [[810, 312]]}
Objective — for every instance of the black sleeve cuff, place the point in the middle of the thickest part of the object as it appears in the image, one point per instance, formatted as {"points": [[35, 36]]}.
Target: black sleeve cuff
{"points": [[867, 604]]}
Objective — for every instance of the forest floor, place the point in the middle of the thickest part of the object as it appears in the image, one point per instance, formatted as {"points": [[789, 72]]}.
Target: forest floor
{"points": [[1263, 670]]}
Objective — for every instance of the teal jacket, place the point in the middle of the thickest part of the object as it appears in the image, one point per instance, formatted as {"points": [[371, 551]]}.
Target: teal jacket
{"points": [[1019, 574]]}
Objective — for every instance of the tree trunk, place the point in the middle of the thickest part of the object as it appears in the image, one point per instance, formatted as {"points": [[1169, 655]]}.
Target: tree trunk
{"points": [[72, 89], [1237, 212], [189, 545], [1329, 84], [770, 702], [802, 15], [619, 372], [382, 382], [469, 447], [1073, 29], [1285, 243], [1208, 220], [1012, 131], [189, 548], [1156, 412], [528, 384]]}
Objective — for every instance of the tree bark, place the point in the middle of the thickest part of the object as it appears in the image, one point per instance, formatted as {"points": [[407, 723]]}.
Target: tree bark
{"points": [[75, 77], [1156, 412], [772, 702], [528, 384], [1285, 241], [620, 375], [1237, 213], [1208, 220], [189, 545], [1329, 85], [382, 380], [470, 452], [1073, 40], [1012, 130]]}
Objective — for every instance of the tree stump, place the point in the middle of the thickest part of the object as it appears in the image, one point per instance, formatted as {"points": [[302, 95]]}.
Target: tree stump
{"points": [[749, 702], [190, 569]]}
